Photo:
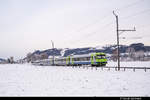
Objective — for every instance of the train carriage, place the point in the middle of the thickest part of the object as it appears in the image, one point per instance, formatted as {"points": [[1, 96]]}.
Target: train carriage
{"points": [[93, 59], [60, 61]]}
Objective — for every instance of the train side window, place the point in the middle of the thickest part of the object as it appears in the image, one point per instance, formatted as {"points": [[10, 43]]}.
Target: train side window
{"points": [[76, 59], [82, 59], [79, 59], [88, 58]]}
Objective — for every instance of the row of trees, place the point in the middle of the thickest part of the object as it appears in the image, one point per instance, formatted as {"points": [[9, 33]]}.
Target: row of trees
{"points": [[33, 57], [131, 55]]}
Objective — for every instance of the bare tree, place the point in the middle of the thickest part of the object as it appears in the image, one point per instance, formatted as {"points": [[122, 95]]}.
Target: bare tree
{"points": [[131, 52], [29, 57], [114, 55], [139, 55], [11, 60], [44, 56]]}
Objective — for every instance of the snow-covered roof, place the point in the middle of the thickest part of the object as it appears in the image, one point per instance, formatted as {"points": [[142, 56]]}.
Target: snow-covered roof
{"points": [[85, 55], [99, 47]]}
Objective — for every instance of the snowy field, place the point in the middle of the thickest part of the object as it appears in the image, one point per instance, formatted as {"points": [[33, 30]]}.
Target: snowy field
{"points": [[30, 80], [130, 64]]}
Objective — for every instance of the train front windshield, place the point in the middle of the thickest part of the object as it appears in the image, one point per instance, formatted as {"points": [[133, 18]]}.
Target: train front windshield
{"points": [[101, 56]]}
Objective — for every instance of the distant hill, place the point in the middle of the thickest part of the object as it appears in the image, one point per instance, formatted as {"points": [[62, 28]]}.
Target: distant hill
{"points": [[1, 60], [79, 51], [86, 50]]}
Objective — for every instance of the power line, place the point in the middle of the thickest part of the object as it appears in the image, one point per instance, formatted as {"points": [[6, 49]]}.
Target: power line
{"points": [[129, 5], [135, 14], [91, 33], [144, 26], [117, 31], [93, 23], [97, 21]]}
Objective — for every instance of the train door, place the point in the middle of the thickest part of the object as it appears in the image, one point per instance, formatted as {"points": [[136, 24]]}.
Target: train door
{"points": [[72, 60], [93, 60], [68, 60]]}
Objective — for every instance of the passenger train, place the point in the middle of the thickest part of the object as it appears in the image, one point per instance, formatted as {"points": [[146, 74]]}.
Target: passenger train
{"points": [[93, 59]]}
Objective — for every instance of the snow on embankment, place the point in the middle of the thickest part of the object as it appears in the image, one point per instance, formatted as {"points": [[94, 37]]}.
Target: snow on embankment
{"points": [[29, 80], [130, 64]]}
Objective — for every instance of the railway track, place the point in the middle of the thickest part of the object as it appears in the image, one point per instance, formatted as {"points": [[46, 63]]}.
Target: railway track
{"points": [[105, 67], [115, 67], [128, 67]]}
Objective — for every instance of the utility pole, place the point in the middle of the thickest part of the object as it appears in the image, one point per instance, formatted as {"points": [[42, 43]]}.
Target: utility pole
{"points": [[118, 30], [53, 52]]}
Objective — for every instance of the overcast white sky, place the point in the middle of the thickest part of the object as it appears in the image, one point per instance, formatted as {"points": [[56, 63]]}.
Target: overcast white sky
{"points": [[28, 25]]}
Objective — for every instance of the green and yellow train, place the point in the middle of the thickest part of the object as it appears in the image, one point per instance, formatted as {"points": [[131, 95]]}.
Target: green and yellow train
{"points": [[93, 59]]}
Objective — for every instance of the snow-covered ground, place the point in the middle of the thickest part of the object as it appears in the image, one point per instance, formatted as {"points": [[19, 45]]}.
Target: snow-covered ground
{"points": [[130, 64], [30, 80]]}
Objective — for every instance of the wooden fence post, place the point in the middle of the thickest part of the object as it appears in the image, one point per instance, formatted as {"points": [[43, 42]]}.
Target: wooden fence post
{"points": [[96, 68], [134, 69], [145, 69], [115, 68]]}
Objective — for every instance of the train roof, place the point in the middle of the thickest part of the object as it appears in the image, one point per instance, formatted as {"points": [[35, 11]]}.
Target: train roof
{"points": [[87, 55]]}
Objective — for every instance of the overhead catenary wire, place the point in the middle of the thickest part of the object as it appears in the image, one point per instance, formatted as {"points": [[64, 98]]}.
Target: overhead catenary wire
{"points": [[97, 21], [135, 14], [139, 13], [90, 34], [92, 23], [129, 5], [144, 26], [139, 27]]}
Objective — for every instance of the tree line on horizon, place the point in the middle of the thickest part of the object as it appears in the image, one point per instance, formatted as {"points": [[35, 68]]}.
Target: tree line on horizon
{"points": [[133, 52]]}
